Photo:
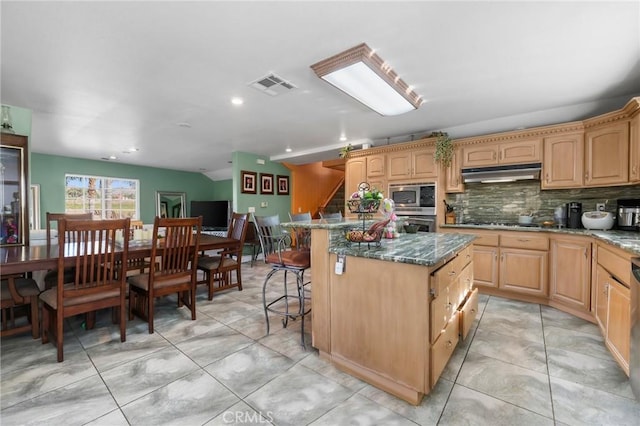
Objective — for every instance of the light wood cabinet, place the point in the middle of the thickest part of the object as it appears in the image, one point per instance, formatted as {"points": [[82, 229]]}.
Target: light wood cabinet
{"points": [[607, 155], [355, 171], [412, 164], [613, 301], [376, 165], [634, 149], [485, 266], [523, 271], [619, 323], [491, 154], [453, 177], [570, 272], [563, 162]]}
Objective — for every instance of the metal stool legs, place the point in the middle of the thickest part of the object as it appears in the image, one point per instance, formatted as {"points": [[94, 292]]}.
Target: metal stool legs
{"points": [[284, 311]]}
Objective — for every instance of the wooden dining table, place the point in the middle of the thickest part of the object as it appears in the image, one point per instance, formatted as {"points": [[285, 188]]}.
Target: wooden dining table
{"points": [[22, 259]]}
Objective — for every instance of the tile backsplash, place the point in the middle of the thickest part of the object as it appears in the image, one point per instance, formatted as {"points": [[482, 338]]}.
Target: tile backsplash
{"points": [[504, 202]]}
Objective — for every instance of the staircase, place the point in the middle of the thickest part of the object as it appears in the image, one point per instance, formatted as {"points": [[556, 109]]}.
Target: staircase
{"points": [[337, 203]]}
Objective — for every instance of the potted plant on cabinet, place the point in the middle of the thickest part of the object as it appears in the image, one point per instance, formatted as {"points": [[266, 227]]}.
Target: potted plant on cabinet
{"points": [[444, 148]]}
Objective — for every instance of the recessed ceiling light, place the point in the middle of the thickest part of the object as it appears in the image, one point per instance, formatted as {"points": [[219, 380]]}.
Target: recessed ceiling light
{"points": [[184, 124], [288, 149], [343, 138], [237, 101]]}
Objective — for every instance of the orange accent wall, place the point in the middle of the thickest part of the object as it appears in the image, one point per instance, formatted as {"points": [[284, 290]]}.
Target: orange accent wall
{"points": [[310, 185]]}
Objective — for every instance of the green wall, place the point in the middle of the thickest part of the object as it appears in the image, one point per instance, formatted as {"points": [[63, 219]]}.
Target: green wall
{"points": [[48, 171], [276, 204], [21, 120]]}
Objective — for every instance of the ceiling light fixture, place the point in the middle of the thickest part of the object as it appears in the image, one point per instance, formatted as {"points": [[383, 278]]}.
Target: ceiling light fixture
{"points": [[237, 101], [363, 75], [288, 149], [343, 138]]}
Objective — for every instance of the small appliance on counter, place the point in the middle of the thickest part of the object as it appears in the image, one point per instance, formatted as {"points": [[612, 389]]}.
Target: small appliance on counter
{"points": [[574, 215], [560, 216], [628, 214]]}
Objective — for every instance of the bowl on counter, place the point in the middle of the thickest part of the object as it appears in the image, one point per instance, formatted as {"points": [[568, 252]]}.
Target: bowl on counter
{"points": [[410, 228], [525, 220], [597, 220]]}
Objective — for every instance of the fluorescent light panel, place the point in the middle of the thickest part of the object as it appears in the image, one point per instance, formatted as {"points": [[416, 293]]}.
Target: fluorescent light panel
{"points": [[363, 75]]}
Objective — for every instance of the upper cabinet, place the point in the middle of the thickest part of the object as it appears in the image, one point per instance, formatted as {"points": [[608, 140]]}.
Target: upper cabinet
{"points": [[412, 164], [13, 205], [375, 165], [607, 154], [453, 177], [562, 165], [634, 149], [492, 154]]}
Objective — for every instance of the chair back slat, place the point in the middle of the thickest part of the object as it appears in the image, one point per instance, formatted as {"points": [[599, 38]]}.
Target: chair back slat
{"points": [[54, 217], [179, 247], [92, 244]]}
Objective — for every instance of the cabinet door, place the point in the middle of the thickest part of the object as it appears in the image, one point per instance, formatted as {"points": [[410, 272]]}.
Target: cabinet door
{"points": [[619, 323], [480, 155], [485, 266], [607, 155], [563, 165], [14, 219], [523, 151], [423, 163], [602, 298], [399, 165], [375, 165], [355, 171], [634, 149], [523, 271], [453, 178], [570, 272]]}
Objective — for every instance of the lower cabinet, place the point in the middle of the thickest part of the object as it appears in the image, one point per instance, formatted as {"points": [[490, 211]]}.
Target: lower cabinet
{"points": [[570, 272], [613, 302], [523, 271], [453, 308]]}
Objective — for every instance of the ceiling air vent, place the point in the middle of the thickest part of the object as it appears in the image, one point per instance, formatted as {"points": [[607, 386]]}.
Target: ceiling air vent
{"points": [[272, 85]]}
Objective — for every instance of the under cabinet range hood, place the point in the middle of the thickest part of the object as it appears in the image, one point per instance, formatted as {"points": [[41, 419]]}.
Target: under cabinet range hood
{"points": [[495, 174]]}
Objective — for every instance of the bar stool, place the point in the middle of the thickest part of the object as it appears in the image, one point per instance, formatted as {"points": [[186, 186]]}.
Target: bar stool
{"points": [[276, 247]]}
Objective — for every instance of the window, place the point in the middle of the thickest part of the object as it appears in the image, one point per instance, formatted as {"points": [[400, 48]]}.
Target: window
{"points": [[105, 197]]}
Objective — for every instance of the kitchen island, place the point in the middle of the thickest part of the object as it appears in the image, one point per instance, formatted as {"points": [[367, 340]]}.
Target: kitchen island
{"points": [[395, 314]]}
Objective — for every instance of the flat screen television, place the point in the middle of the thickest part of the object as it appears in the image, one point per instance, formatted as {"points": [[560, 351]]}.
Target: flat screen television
{"points": [[215, 214]]}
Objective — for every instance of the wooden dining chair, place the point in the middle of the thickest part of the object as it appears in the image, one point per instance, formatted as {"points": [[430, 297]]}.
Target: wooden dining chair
{"points": [[51, 278], [136, 265], [19, 292], [276, 246], [219, 268], [92, 245], [175, 273]]}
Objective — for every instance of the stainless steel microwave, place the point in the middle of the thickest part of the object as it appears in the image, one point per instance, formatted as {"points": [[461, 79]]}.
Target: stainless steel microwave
{"points": [[414, 198]]}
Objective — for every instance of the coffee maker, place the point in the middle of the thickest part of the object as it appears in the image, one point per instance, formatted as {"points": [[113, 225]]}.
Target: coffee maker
{"points": [[574, 215], [628, 214]]}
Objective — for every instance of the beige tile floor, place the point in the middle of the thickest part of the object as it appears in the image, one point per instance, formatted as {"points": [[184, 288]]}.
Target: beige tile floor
{"points": [[522, 364]]}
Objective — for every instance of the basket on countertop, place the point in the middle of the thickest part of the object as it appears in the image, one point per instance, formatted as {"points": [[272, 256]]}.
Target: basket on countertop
{"points": [[363, 205]]}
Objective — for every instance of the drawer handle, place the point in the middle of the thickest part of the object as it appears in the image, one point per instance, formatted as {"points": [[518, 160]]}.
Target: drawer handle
{"points": [[523, 240], [452, 273], [449, 343], [473, 311]]}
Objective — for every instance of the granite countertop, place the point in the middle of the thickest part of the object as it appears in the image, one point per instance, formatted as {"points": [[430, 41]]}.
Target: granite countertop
{"points": [[426, 249], [626, 240], [326, 223]]}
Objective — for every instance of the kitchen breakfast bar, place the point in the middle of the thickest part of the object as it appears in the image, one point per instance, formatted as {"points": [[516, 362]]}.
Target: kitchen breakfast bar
{"points": [[395, 313]]}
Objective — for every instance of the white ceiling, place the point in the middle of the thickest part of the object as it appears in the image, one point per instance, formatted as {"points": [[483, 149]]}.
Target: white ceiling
{"points": [[101, 77]]}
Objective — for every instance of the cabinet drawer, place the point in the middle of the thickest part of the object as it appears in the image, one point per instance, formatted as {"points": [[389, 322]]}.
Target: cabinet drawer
{"points": [[443, 348], [463, 286], [617, 266], [468, 313], [486, 239], [450, 272], [441, 310], [525, 241]]}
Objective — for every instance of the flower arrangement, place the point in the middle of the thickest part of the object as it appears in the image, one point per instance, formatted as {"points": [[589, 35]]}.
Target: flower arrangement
{"points": [[365, 199]]}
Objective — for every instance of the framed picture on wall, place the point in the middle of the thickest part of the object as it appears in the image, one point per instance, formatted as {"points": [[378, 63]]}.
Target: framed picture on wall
{"points": [[266, 183], [283, 185], [249, 184]]}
